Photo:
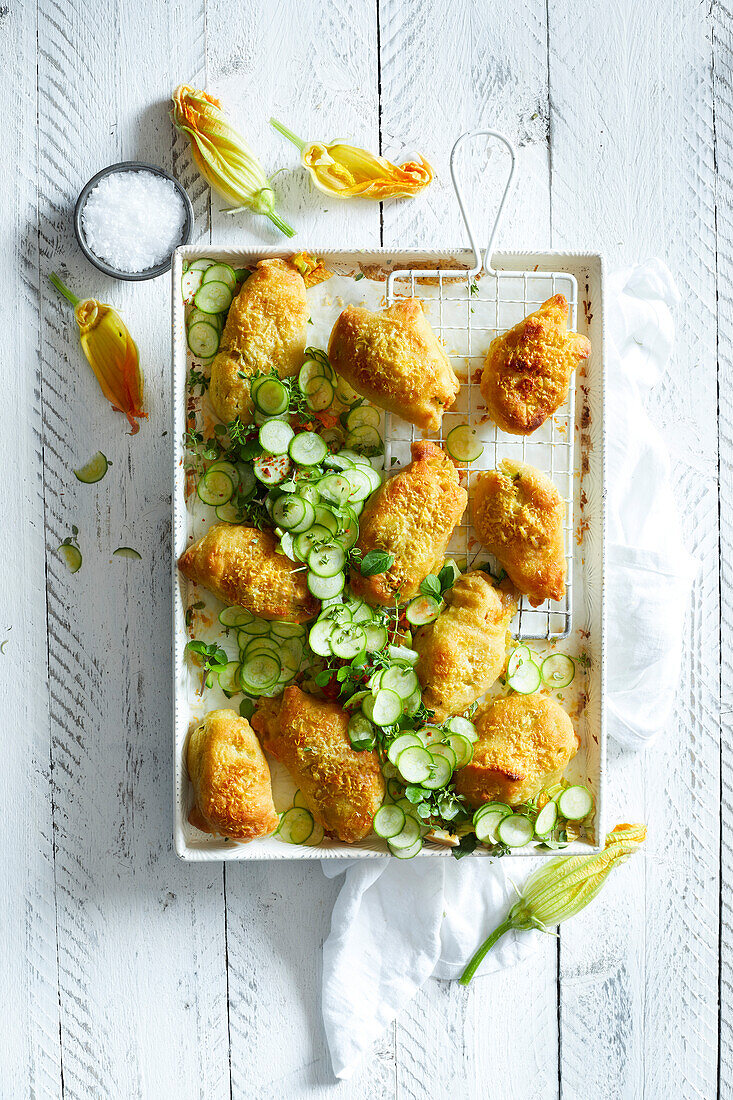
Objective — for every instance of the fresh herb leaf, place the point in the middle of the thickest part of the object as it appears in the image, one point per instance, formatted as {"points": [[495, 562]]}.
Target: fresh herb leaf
{"points": [[465, 846], [358, 277], [447, 577], [324, 677], [375, 562], [415, 794], [431, 586]]}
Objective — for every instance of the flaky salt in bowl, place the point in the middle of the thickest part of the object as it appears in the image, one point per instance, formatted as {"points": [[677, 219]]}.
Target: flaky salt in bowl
{"points": [[130, 218]]}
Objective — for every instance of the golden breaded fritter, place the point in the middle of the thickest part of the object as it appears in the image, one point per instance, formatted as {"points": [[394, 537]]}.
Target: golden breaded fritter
{"points": [[518, 515], [240, 566], [266, 329], [393, 358], [230, 777], [412, 516], [343, 789], [527, 370], [463, 652], [525, 742]]}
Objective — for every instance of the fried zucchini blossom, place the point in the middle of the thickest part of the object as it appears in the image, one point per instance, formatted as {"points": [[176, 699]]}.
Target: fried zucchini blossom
{"points": [[347, 172], [111, 352], [223, 157], [561, 889]]}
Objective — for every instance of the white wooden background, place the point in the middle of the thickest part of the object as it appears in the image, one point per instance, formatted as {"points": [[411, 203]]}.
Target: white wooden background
{"points": [[126, 973]]}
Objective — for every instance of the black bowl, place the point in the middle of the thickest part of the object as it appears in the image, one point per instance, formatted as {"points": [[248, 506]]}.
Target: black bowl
{"points": [[151, 272]]}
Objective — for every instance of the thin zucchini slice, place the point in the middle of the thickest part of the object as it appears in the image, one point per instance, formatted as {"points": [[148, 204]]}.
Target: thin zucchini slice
{"points": [[361, 733], [289, 510], [575, 803], [348, 532], [282, 629], [348, 640], [526, 679], [487, 825], [491, 807], [319, 638], [203, 339], [229, 678], [275, 436], [415, 764], [305, 542], [423, 610], [387, 708], [190, 282], [440, 772], [546, 820], [270, 396], [215, 488], [334, 488], [362, 414], [201, 265], [464, 726], [271, 469], [307, 449], [400, 743], [365, 440], [518, 657], [401, 680], [442, 748], [515, 830], [462, 748], [227, 513], [403, 653], [412, 705], [296, 825], [221, 273], [324, 588], [389, 821], [214, 297], [326, 560], [316, 836], [406, 853], [94, 470], [299, 799], [259, 671], [235, 616], [463, 444], [361, 485], [227, 468], [558, 670], [127, 552], [408, 834], [318, 394], [253, 629], [324, 516], [376, 637], [72, 556]]}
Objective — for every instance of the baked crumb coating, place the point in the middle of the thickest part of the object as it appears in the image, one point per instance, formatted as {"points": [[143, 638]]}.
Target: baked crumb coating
{"points": [[412, 516], [524, 744], [240, 566], [394, 359], [518, 515], [230, 778], [527, 370], [342, 788], [266, 329]]}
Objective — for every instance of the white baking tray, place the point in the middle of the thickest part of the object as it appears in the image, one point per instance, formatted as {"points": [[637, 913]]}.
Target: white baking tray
{"points": [[570, 448]]}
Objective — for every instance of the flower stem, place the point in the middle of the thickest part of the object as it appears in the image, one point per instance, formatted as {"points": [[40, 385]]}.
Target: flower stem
{"points": [[483, 950], [281, 225], [63, 290], [288, 134]]}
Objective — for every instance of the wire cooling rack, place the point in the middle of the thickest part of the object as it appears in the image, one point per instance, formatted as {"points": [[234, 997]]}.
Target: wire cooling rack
{"points": [[467, 309]]}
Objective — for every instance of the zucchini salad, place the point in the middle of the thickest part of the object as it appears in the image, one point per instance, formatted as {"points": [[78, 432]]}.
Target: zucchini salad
{"points": [[303, 468]]}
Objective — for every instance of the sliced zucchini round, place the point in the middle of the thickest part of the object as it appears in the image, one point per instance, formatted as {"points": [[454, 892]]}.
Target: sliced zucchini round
{"points": [[423, 610], [235, 616], [389, 821], [72, 556], [213, 297], [440, 772], [464, 726], [575, 803], [203, 339], [463, 444], [270, 396], [400, 743], [127, 552], [488, 823], [275, 436], [296, 825], [558, 670], [415, 764], [326, 560], [324, 588], [271, 469], [94, 470], [348, 640], [307, 449], [221, 273], [546, 820], [526, 678], [215, 487], [515, 831], [462, 748], [387, 708]]}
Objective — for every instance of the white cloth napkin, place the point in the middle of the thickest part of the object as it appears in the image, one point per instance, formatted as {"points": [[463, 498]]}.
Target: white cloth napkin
{"points": [[396, 924]]}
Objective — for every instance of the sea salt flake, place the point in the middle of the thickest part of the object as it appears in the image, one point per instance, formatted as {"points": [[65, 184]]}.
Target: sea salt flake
{"points": [[133, 220]]}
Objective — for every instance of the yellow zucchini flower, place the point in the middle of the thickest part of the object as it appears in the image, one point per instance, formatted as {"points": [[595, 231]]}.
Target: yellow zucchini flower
{"points": [[347, 172], [223, 157], [561, 889], [111, 352]]}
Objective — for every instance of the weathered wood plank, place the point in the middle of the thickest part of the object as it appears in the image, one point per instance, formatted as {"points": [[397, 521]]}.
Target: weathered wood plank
{"points": [[723, 93], [442, 73], [141, 937], [30, 1053], [315, 70], [633, 175]]}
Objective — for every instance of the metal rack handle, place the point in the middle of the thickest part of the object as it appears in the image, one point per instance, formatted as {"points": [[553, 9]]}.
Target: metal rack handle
{"points": [[486, 264]]}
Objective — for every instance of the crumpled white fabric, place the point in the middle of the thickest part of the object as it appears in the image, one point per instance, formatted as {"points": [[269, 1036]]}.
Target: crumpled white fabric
{"points": [[395, 924]]}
